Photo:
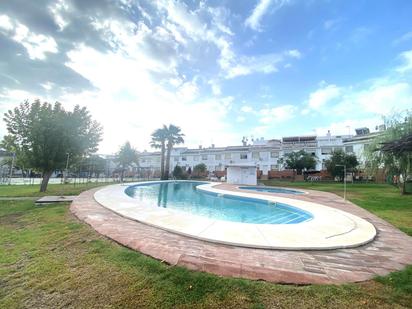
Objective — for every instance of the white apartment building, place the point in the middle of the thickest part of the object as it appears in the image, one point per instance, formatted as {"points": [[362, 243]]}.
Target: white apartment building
{"points": [[265, 154]]}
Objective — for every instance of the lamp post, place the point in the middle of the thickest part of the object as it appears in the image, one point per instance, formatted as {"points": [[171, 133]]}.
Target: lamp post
{"points": [[344, 180], [67, 167], [11, 167]]}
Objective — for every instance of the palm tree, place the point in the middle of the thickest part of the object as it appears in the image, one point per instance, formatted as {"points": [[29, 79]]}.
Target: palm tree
{"points": [[159, 141], [174, 136]]}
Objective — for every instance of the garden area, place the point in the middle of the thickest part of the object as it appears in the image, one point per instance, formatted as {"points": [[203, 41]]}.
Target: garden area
{"points": [[50, 259]]}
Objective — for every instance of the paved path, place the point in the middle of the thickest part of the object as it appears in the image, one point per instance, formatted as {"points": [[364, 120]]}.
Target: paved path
{"points": [[41, 199], [390, 251], [19, 198], [55, 199]]}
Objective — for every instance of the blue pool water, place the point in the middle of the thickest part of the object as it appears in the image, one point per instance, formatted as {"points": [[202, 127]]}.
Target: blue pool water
{"points": [[184, 196], [272, 190]]}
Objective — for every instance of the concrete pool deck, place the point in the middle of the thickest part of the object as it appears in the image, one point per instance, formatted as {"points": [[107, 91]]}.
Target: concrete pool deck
{"points": [[389, 251], [328, 229]]}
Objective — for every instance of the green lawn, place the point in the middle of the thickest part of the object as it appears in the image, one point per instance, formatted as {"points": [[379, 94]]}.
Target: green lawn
{"points": [[52, 189], [48, 259], [381, 199]]}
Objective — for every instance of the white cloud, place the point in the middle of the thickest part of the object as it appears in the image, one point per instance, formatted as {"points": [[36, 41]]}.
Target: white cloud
{"points": [[407, 62], [265, 64], [277, 114], [348, 126], [384, 99], [58, 9], [261, 8], [36, 45], [148, 104], [216, 89], [294, 53], [188, 91], [260, 130], [220, 16], [247, 109], [404, 38], [323, 96], [5, 23], [332, 24]]}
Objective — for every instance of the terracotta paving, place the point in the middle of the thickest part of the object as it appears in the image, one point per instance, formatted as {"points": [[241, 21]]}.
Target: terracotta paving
{"points": [[391, 250]]}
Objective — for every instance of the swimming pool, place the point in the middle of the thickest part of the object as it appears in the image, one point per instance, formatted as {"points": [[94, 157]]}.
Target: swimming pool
{"points": [[272, 190], [184, 196], [224, 214]]}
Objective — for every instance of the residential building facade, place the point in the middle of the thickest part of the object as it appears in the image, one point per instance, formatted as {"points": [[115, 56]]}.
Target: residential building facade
{"points": [[267, 155]]}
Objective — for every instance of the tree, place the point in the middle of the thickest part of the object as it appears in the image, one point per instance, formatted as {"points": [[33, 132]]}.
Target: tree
{"points": [[179, 173], [299, 161], [96, 164], [159, 141], [42, 135], [390, 151], [335, 163], [199, 170], [174, 136], [126, 156]]}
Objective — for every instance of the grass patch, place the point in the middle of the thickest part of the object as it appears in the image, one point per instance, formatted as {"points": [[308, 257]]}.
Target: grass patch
{"points": [[381, 199], [52, 189], [49, 259]]}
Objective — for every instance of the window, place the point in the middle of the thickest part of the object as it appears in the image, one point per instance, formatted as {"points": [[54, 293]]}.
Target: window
{"points": [[255, 155], [184, 159], [228, 156], [274, 167], [243, 156], [218, 157], [204, 157], [274, 154], [176, 159], [143, 160], [326, 151], [195, 158], [349, 149]]}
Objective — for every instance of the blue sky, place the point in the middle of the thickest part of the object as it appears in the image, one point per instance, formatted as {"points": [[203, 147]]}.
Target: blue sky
{"points": [[218, 69]]}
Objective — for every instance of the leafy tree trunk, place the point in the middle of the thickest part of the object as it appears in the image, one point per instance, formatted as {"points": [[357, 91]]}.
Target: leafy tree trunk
{"points": [[45, 180], [162, 161], [169, 151]]}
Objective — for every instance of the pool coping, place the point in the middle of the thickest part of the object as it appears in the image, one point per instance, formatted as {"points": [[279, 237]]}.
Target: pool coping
{"points": [[328, 229], [389, 251]]}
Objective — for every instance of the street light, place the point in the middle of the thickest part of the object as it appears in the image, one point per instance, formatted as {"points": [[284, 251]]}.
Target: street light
{"points": [[344, 180], [11, 167], [67, 166]]}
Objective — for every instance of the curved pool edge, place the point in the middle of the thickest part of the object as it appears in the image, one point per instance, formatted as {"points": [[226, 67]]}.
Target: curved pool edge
{"points": [[330, 229], [272, 189]]}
